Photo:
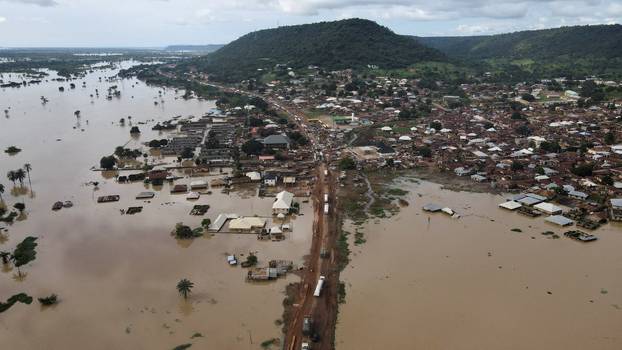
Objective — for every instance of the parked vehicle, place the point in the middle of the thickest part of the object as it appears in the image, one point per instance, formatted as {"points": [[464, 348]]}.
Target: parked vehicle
{"points": [[307, 326], [318, 287]]}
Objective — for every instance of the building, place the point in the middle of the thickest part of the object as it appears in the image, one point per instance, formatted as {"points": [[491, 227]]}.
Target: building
{"points": [[277, 141], [548, 208], [615, 209], [283, 203], [270, 180], [247, 224]]}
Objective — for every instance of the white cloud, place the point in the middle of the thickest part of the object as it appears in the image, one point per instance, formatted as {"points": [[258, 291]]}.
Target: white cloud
{"points": [[44, 3], [2, 19]]}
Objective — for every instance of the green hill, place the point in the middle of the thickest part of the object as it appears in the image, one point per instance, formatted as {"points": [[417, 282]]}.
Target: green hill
{"points": [[577, 51], [601, 41], [352, 43]]}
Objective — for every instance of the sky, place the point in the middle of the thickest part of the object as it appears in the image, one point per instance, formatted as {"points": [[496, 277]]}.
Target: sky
{"points": [[154, 23]]}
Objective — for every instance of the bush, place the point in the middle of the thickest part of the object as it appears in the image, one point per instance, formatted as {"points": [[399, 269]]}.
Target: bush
{"points": [[107, 162], [347, 163], [47, 301]]}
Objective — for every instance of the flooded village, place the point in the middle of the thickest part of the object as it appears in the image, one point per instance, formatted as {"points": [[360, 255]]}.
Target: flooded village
{"points": [[300, 210]]}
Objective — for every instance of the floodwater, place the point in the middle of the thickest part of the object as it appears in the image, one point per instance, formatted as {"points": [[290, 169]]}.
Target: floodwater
{"points": [[472, 283], [116, 274]]}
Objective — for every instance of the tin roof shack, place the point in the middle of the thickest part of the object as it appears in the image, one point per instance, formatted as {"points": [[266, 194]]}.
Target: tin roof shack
{"points": [[548, 208], [615, 209], [559, 220]]}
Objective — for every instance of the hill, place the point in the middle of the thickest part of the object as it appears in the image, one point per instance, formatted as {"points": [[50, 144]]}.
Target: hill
{"points": [[352, 43], [601, 41], [578, 52]]}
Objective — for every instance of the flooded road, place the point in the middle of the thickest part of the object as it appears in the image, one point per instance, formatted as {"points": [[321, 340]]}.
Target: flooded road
{"points": [[116, 274], [473, 283]]}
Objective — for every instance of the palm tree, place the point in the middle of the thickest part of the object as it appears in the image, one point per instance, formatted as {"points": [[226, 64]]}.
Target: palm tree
{"points": [[1, 192], [20, 175], [184, 287], [28, 168], [12, 176]]}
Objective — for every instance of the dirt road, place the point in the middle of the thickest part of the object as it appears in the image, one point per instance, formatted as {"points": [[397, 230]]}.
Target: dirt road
{"points": [[322, 309]]}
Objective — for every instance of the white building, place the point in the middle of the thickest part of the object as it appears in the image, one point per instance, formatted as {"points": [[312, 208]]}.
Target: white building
{"points": [[283, 203]]}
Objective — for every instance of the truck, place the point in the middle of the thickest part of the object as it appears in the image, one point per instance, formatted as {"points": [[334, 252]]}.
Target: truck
{"points": [[305, 346], [318, 287], [326, 208], [325, 197], [307, 326]]}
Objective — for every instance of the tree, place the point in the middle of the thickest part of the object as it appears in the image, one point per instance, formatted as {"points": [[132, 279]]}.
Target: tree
{"points": [[12, 176], [28, 168], [583, 170], [20, 175], [1, 192], [436, 125], [17, 298], [516, 166], [528, 97], [49, 300], [134, 130], [252, 147], [424, 152], [184, 287], [347, 163], [108, 162], [187, 153], [610, 138], [517, 116], [206, 222], [523, 130], [20, 206], [24, 252]]}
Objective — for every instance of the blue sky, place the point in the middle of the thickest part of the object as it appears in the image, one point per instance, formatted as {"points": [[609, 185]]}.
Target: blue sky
{"points": [[163, 22]]}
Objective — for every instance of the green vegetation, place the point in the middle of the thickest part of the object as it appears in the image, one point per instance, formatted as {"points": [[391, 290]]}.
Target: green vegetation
{"points": [[107, 162], [576, 51], [341, 293], [252, 147], [182, 347], [185, 232], [269, 343], [347, 163], [48, 301], [17, 298], [251, 260], [24, 253], [12, 150], [330, 45], [184, 287]]}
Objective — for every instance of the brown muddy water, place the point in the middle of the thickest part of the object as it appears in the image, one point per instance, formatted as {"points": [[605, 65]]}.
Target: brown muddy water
{"points": [[116, 274], [472, 283]]}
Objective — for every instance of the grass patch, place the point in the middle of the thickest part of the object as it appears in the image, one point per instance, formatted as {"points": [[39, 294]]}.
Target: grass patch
{"points": [[343, 250], [359, 238], [266, 344], [341, 293]]}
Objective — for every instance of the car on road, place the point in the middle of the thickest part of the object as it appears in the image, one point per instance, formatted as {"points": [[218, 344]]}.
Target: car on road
{"points": [[305, 346]]}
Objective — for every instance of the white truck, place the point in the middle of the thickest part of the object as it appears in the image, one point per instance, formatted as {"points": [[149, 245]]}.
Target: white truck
{"points": [[325, 197], [326, 207], [318, 287]]}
